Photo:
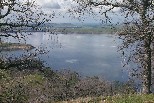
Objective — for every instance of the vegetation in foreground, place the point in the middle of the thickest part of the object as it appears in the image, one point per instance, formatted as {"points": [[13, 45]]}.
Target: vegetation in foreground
{"points": [[28, 81]]}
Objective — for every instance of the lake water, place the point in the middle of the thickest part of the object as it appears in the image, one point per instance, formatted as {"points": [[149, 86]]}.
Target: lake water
{"points": [[87, 54]]}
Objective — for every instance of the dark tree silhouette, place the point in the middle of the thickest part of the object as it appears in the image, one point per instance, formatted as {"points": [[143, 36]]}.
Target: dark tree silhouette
{"points": [[16, 18], [137, 33], [17, 15]]}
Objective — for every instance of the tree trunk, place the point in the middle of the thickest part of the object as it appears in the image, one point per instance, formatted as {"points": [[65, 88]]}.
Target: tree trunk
{"points": [[0, 41], [147, 67]]}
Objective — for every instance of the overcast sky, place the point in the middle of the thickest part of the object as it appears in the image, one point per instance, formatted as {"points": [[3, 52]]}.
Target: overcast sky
{"points": [[60, 7]]}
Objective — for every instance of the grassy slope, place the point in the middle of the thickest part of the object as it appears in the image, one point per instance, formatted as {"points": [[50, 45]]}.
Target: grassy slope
{"points": [[135, 98]]}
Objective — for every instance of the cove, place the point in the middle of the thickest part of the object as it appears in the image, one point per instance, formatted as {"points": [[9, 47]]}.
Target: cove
{"points": [[86, 54]]}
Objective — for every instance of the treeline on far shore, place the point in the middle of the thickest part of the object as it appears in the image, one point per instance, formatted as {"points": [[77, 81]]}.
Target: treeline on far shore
{"points": [[70, 30]]}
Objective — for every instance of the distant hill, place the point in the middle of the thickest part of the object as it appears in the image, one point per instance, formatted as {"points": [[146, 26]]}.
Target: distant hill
{"points": [[59, 25], [75, 28]]}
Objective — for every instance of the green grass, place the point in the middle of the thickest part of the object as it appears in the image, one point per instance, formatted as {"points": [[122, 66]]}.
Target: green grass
{"points": [[131, 99], [134, 98]]}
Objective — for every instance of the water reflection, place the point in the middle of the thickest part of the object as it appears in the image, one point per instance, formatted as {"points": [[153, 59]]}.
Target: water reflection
{"points": [[86, 54]]}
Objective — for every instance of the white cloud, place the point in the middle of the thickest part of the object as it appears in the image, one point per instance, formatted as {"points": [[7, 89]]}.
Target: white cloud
{"points": [[53, 5], [50, 4], [60, 7]]}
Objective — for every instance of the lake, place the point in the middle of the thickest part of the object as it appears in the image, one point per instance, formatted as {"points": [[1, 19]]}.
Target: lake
{"points": [[87, 54]]}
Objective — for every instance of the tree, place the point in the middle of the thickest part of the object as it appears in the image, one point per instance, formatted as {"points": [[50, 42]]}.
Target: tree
{"points": [[17, 15], [16, 18], [137, 34]]}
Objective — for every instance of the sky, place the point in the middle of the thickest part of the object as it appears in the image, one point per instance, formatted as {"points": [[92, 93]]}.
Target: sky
{"points": [[60, 8]]}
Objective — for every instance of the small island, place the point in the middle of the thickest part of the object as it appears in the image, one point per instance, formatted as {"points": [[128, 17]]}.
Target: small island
{"points": [[4, 46]]}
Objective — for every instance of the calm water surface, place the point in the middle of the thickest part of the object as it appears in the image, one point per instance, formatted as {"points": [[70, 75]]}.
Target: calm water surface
{"points": [[87, 54]]}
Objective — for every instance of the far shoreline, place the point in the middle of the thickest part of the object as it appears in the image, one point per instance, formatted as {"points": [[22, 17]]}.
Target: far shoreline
{"points": [[5, 46]]}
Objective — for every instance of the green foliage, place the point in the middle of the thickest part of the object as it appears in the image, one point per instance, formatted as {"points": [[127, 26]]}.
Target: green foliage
{"points": [[14, 95], [123, 87], [3, 74], [131, 99]]}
